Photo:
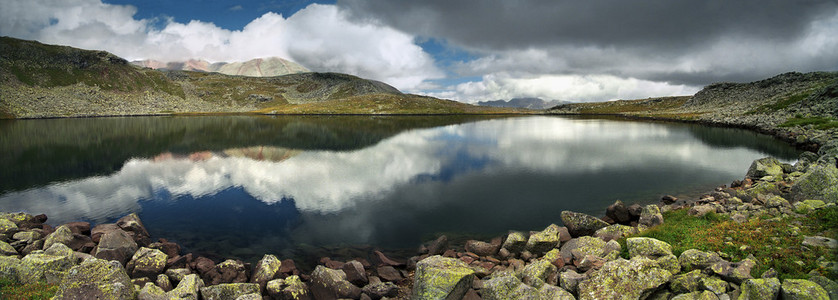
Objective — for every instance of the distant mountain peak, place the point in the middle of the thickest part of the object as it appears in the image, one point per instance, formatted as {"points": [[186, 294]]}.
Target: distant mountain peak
{"points": [[259, 67], [529, 103]]}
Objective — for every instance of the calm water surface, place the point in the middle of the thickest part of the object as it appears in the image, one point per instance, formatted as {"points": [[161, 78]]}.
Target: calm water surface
{"points": [[241, 186]]}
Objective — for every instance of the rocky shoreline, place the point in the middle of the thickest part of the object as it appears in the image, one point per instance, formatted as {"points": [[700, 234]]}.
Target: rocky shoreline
{"points": [[582, 260]]}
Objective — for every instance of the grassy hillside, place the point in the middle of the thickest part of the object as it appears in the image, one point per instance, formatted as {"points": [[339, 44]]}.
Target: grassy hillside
{"points": [[39, 80]]}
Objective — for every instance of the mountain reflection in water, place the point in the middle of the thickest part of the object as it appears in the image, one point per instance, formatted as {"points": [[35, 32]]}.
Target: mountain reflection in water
{"points": [[481, 178]]}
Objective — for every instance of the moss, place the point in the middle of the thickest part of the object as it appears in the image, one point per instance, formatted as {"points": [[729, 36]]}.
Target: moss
{"points": [[11, 290], [822, 123]]}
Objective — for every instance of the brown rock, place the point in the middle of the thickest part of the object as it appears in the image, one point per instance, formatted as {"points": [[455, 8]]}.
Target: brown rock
{"points": [[439, 246], [79, 227], [482, 248], [288, 267], [116, 245], [388, 273], [230, 271], [99, 230], [669, 199], [355, 273], [618, 212], [132, 224], [386, 261], [171, 249]]}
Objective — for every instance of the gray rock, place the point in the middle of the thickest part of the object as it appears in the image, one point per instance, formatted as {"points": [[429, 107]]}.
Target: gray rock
{"points": [[697, 295], [176, 275], [569, 280], [579, 224], [228, 291], [7, 250], [766, 166], [164, 283], [37, 267], [116, 245], [687, 282], [831, 287], [650, 216], [554, 293], [61, 235], [536, 274], [615, 232], [624, 279], [820, 241], [438, 246], [799, 289], [481, 248], [331, 284], [289, 288], [440, 277], [693, 259], [819, 182], [648, 247], [355, 273], [96, 279], [579, 247]]}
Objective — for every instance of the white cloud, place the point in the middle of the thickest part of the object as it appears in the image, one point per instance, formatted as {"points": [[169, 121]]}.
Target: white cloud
{"points": [[319, 36], [577, 88]]}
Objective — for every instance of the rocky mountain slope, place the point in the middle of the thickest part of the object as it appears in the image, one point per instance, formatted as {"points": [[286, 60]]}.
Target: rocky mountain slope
{"points": [[528, 103], [260, 67], [799, 107], [44, 81]]}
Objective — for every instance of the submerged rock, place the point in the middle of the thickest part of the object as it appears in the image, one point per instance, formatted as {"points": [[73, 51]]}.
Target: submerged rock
{"points": [[440, 277]]}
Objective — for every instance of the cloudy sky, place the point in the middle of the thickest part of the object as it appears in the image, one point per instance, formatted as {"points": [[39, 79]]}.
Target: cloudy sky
{"points": [[467, 50]]}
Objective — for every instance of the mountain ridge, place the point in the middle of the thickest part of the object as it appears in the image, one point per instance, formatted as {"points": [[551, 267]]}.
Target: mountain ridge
{"points": [[258, 67], [528, 103]]}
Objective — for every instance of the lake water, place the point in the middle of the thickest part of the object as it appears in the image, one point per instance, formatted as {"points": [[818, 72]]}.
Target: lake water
{"points": [[297, 186]]}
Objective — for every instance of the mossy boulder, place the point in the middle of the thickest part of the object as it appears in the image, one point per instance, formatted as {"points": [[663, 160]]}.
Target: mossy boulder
{"points": [[543, 241], [503, 287], [831, 287], [7, 227], [766, 166], [579, 247], [714, 284], [228, 291], [62, 235], [187, 288], [670, 263], [96, 279], [265, 270], [37, 267], [615, 232], [332, 284], [763, 288], [819, 182], [579, 224], [18, 218], [624, 279], [553, 292], [440, 277], [147, 262], [763, 188], [807, 206], [536, 274], [648, 247], [693, 259], [6, 249], [9, 266], [27, 236], [289, 288], [776, 202], [697, 295], [687, 282], [800, 289], [515, 242]]}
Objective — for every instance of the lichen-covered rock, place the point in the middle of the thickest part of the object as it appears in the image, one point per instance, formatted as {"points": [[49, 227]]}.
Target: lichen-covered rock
{"points": [[615, 232], [714, 284], [553, 292], [504, 287], [579, 247], [701, 210], [176, 275], [687, 282], [147, 262], [763, 288], [27, 236], [776, 202], [6, 249], [734, 272], [648, 247], [132, 224], [831, 287], [697, 295], [7, 227], [800, 289], [535, 274], [650, 216], [515, 242], [440, 277], [819, 182], [266, 269], [116, 245], [808, 205], [624, 279], [188, 288], [669, 263], [579, 224], [230, 271], [289, 288], [163, 282], [61, 235], [543, 241], [228, 291], [693, 259], [569, 280], [150, 291], [96, 279], [763, 188], [9, 266], [331, 284], [766, 166], [37, 266]]}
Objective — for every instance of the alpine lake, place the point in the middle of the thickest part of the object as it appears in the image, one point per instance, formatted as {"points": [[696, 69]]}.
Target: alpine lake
{"points": [[304, 187]]}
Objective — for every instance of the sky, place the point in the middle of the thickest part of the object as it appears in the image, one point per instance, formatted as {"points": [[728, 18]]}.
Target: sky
{"points": [[465, 50]]}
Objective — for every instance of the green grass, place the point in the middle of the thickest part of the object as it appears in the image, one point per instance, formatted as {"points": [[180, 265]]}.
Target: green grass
{"points": [[821, 123], [10, 290], [776, 243]]}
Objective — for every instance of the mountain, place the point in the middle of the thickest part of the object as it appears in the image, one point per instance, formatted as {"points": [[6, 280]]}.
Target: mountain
{"points": [[528, 103], [260, 67], [47, 81]]}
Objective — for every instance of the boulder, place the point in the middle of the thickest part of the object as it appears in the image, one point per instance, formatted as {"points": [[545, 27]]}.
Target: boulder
{"points": [[515, 242], [27, 236], [543, 241], [734, 272], [227, 291], [438, 246], [164, 283], [697, 295], [819, 182], [380, 290], [687, 282], [230, 271], [82, 228], [171, 249], [37, 267], [831, 287], [701, 210], [147, 262], [763, 189], [9, 268], [96, 279], [615, 232], [388, 273], [188, 288], [579, 224], [766, 166], [7, 227], [714, 284], [289, 288], [266, 270], [150, 291], [503, 287], [99, 230], [132, 224], [440, 277], [753, 289], [624, 279], [62, 235], [693, 259], [116, 245], [648, 247], [6, 249], [650, 216], [569, 280], [482, 248], [799, 289], [537, 273], [327, 283], [586, 245], [176, 275], [619, 213], [776, 202], [554, 293]]}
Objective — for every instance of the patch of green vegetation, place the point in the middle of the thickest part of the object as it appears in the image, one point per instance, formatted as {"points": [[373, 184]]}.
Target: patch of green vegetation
{"points": [[821, 123], [10, 290], [775, 242]]}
